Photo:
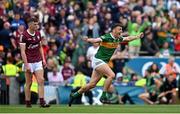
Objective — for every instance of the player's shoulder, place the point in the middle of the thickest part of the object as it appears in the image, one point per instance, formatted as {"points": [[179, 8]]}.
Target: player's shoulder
{"points": [[107, 35], [25, 33], [37, 32]]}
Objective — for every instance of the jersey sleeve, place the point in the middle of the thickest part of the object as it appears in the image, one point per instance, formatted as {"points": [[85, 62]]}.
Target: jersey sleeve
{"points": [[121, 39], [103, 37]]}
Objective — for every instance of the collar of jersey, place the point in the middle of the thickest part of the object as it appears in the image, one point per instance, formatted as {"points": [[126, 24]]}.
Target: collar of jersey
{"points": [[30, 33], [112, 36]]}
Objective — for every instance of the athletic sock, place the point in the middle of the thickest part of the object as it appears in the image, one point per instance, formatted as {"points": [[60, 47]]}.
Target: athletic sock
{"points": [[104, 94], [76, 94], [41, 100], [28, 103]]}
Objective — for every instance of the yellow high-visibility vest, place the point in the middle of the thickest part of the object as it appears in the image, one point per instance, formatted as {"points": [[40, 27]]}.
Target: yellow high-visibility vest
{"points": [[34, 85], [79, 80], [10, 69], [101, 82], [141, 82]]}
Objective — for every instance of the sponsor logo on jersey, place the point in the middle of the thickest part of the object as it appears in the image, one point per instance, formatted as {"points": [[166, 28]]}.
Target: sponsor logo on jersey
{"points": [[31, 46], [109, 44]]}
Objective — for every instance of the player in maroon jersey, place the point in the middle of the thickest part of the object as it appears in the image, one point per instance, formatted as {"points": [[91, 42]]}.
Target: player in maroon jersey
{"points": [[33, 57]]}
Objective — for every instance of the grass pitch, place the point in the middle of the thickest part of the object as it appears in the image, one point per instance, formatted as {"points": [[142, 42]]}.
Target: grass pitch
{"points": [[92, 109]]}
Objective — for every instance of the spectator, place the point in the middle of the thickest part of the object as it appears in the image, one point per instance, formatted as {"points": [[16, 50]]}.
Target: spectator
{"points": [[177, 42], [134, 29], [139, 6], [170, 68], [150, 95], [168, 91], [52, 34], [51, 63], [55, 77], [172, 2], [16, 22], [92, 50], [91, 29], [150, 45], [154, 72], [166, 51], [113, 8], [148, 8], [6, 37], [162, 33], [106, 23], [123, 77], [67, 70], [119, 78], [61, 18]]}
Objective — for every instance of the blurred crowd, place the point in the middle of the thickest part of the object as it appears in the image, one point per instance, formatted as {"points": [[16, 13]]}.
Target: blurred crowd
{"points": [[63, 23]]}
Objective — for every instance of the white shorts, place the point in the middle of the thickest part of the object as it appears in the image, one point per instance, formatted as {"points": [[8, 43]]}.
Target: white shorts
{"points": [[97, 62], [34, 66]]}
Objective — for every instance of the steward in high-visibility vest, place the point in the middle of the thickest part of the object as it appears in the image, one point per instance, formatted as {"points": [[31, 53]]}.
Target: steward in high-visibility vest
{"points": [[10, 72], [9, 69], [79, 80]]}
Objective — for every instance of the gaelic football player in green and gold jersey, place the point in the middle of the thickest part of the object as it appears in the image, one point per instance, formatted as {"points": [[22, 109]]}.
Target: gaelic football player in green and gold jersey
{"points": [[108, 44]]}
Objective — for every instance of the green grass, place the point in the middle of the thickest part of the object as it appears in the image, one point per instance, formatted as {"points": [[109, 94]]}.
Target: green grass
{"points": [[92, 109]]}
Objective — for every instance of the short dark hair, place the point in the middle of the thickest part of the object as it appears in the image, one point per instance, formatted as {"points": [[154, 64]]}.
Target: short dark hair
{"points": [[33, 19], [116, 25]]}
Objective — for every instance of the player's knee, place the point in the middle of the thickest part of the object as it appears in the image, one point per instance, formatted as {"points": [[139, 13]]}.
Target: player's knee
{"points": [[41, 82], [112, 76]]}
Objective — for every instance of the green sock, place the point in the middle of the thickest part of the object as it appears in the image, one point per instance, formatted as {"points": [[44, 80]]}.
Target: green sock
{"points": [[76, 94], [104, 94]]}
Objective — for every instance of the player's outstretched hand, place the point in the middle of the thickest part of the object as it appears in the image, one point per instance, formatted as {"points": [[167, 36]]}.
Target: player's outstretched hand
{"points": [[141, 35], [27, 67], [44, 63], [85, 38]]}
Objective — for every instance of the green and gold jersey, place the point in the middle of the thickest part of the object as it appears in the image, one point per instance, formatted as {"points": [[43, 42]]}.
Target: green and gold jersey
{"points": [[107, 47]]}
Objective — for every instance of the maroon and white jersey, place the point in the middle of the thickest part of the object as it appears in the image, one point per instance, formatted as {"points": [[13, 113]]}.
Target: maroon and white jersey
{"points": [[17, 36], [32, 42]]}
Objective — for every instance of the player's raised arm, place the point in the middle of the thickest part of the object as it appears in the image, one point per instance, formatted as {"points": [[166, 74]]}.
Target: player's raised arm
{"points": [[91, 40], [130, 38]]}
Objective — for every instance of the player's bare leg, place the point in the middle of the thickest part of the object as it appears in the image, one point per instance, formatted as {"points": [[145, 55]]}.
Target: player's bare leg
{"points": [[94, 80], [39, 74], [106, 70], [27, 88]]}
